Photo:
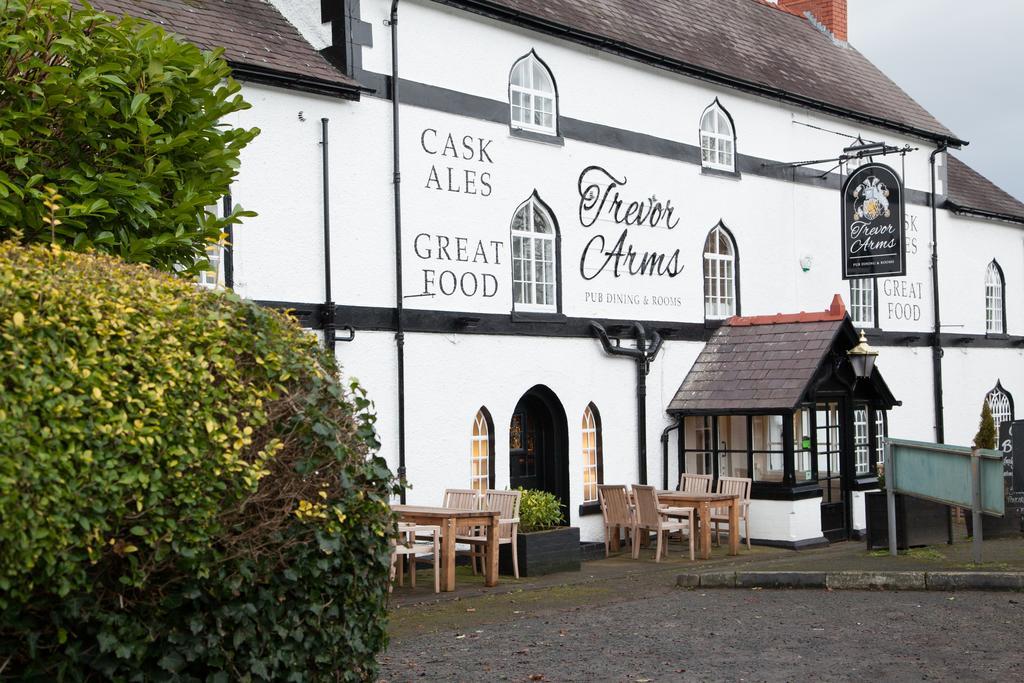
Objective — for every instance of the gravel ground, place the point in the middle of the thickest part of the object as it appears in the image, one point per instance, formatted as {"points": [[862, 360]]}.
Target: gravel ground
{"points": [[655, 633]]}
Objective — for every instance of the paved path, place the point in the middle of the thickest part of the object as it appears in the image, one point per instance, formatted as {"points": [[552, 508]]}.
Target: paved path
{"points": [[643, 630]]}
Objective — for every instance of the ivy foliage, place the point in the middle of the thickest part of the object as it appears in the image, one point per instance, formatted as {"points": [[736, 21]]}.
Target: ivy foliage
{"points": [[186, 490], [127, 122]]}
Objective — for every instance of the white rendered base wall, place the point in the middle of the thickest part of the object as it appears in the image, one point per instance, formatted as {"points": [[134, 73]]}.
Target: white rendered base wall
{"points": [[860, 518], [788, 521]]}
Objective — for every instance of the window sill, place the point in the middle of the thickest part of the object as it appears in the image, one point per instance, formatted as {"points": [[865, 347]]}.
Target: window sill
{"points": [[997, 335], [547, 138], [706, 170], [587, 509], [538, 317], [871, 332], [715, 323], [865, 482]]}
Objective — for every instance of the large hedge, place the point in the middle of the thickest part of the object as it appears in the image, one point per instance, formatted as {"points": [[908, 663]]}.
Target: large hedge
{"points": [[186, 490], [127, 121]]}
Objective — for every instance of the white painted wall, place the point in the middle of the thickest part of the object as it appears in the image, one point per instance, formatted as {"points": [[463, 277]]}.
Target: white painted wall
{"points": [[279, 254]]}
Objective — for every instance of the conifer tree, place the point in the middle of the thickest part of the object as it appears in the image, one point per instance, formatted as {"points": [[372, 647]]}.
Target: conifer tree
{"points": [[986, 436]]}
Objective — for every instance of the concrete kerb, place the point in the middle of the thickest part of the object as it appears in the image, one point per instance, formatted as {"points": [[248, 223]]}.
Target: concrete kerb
{"points": [[856, 580]]}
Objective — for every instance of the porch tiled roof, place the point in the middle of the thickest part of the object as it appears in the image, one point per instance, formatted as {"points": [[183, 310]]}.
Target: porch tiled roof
{"points": [[760, 363]]}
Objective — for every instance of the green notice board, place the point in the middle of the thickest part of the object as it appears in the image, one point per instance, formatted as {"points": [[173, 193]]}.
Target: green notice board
{"points": [[942, 473]]}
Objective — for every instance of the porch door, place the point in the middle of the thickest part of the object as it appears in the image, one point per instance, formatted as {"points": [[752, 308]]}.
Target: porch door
{"points": [[830, 457]]}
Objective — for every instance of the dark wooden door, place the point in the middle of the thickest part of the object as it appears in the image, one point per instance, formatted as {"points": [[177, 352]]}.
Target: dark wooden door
{"points": [[525, 448]]}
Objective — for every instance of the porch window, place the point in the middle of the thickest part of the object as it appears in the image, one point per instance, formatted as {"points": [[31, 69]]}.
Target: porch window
{"points": [[862, 302], [482, 452], [532, 96], [861, 441], [717, 139], [881, 431], [995, 290], [720, 296], [698, 445], [803, 468], [534, 257], [769, 456], [592, 475], [732, 446]]}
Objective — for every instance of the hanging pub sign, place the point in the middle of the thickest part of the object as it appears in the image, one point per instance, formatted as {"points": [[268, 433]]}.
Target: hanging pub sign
{"points": [[873, 212]]}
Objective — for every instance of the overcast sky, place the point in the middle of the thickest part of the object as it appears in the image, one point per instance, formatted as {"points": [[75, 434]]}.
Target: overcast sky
{"points": [[963, 61]]}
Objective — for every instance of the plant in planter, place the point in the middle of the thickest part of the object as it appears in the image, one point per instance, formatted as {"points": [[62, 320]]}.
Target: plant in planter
{"points": [[544, 545], [538, 511]]}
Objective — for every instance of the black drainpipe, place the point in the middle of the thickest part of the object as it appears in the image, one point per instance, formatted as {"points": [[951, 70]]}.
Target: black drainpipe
{"points": [[328, 312], [664, 450], [940, 422], [229, 247], [643, 357], [399, 312]]}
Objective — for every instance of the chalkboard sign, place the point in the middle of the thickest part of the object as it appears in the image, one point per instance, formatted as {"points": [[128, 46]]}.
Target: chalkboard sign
{"points": [[872, 217], [1011, 443]]}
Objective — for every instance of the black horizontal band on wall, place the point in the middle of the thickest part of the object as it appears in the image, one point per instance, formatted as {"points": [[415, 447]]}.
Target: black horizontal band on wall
{"points": [[449, 101], [382, 319]]}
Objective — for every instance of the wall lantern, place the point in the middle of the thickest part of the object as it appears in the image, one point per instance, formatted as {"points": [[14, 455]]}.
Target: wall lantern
{"points": [[862, 357], [806, 262]]}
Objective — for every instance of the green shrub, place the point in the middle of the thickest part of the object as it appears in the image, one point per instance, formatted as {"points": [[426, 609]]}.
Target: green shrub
{"points": [[986, 436], [128, 123], [186, 490], [539, 510]]}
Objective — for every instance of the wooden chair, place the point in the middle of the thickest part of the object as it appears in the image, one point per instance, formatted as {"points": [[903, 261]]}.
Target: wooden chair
{"points": [[648, 517], [616, 510], [507, 504], [462, 499], [695, 483], [737, 486], [409, 544]]}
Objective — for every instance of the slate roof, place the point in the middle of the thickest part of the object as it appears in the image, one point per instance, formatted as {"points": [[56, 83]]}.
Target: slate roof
{"points": [[259, 43], [971, 192], [759, 364], [745, 43]]}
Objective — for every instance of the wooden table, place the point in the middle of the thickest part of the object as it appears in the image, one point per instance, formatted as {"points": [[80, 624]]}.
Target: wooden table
{"points": [[703, 503], [449, 519]]}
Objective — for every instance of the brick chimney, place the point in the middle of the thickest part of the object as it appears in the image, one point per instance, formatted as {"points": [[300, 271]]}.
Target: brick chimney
{"points": [[830, 13]]}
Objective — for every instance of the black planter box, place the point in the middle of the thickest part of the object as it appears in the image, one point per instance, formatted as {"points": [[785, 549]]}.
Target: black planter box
{"points": [[918, 521], [544, 552]]}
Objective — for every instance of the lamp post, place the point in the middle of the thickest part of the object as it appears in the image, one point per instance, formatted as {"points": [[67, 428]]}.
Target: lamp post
{"points": [[862, 358]]}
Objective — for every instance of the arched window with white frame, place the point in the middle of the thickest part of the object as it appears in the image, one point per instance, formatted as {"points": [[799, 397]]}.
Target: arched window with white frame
{"points": [[717, 139], [532, 97], [1000, 402], [481, 475], [721, 275], [593, 475], [534, 257], [995, 300]]}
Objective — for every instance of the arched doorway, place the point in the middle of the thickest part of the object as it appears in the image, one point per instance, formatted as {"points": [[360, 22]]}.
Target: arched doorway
{"points": [[538, 449]]}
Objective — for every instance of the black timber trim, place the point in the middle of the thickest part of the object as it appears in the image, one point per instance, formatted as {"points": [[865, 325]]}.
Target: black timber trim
{"points": [[459, 103], [591, 508], [382, 319], [293, 81], [604, 44]]}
